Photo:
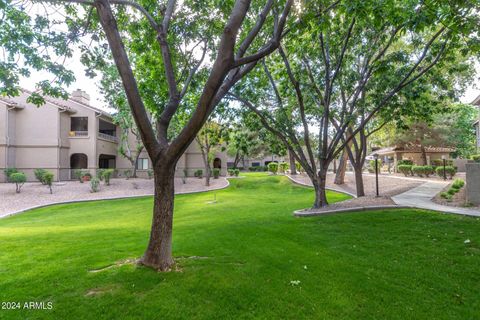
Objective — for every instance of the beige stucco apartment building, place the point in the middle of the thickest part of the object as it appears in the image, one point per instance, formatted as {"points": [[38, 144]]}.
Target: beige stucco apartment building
{"points": [[63, 135]]}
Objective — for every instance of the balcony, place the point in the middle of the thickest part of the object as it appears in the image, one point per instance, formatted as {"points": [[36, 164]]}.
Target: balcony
{"points": [[78, 134], [108, 137]]}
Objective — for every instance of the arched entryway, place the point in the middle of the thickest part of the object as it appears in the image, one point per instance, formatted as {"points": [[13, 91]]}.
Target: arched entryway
{"points": [[78, 161], [217, 163]]}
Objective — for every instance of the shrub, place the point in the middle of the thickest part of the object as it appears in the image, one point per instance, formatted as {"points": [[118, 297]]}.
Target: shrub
{"points": [[39, 174], [100, 173], [439, 162], [406, 169], [231, 172], [452, 191], [405, 162], [283, 167], [420, 171], [107, 175], [299, 167], [8, 172], [458, 183], [252, 169], [78, 174], [150, 173], [198, 173], [429, 170], [273, 167], [449, 170], [236, 172], [94, 185], [19, 178], [48, 180], [444, 195], [476, 157], [216, 173]]}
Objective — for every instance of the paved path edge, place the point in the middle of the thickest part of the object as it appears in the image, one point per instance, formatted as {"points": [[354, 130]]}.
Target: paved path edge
{"points": [[105, 199], [328, 188], [302, 213]]}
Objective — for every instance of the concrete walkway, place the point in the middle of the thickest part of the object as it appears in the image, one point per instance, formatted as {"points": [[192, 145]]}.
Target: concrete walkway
{"points": [[421, 197]]}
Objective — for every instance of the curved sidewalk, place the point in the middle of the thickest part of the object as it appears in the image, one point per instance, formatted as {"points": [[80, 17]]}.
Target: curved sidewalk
{"points": [[421, 197]]}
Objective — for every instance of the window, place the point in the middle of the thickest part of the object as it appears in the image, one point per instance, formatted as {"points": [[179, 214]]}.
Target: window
{"points": [[79, 124], [142, 164]]}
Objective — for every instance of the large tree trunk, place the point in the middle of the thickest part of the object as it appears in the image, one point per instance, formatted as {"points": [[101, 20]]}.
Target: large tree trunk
{"points": [[359, 181], [319, 184], [342, 168], [293, 167], [159, 251]]}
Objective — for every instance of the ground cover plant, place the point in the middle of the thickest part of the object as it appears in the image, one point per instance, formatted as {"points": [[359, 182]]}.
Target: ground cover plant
{"points": [[244, 256]]}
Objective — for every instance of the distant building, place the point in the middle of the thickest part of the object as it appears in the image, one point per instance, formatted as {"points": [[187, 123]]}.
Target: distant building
{"points": [[476, 102], [412, 152], [64, 135]]}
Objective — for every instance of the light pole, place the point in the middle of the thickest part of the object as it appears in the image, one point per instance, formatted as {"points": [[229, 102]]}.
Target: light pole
{"points": [[375, 156], [444, 167]]}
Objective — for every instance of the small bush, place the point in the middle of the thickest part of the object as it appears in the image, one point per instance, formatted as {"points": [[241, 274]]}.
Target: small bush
{"points": [[48, 180], [299, 167], [283, 167], [452, 191], [78, 174], [94, 185], [429, 170], [107, 175], [449, 170], [150, 173], [273, 167], [439, 162], [476, 157], [236, 172], [100, 173], [8, 172], [198, 174], [39, 174], [406, 169], [216, 173], [19, 178], [458, 184], [418, 170], [231, 172], [445, 195], [405, 162]]}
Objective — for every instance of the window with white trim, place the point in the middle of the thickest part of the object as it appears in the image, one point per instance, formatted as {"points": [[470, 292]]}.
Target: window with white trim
{"points": [[142, 164]]}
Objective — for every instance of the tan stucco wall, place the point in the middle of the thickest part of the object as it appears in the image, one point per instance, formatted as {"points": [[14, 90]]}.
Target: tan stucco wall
{"points": [[39, 137]]}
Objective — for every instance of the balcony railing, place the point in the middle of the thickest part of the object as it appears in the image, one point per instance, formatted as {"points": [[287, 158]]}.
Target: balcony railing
{"points": [[107, 137], [78, 133]]}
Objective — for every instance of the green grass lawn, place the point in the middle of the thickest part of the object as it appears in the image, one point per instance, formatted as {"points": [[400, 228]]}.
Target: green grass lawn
{"points": [[397, 264]]}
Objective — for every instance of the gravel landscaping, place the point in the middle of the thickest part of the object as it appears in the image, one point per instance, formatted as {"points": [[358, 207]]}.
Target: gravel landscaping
{"points": [[35, 194], [389, 186]]}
